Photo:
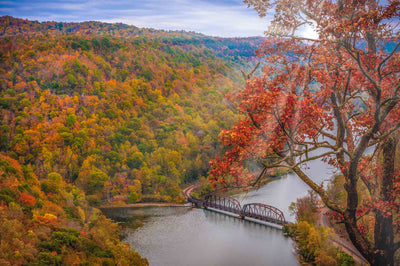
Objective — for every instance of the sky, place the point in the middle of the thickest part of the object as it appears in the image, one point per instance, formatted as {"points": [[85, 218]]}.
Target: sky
{"points": [[224, 18]]}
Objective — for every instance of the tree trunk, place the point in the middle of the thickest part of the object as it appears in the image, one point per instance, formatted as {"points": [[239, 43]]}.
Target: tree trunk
{"points": [[358, 240], [384, 222]]}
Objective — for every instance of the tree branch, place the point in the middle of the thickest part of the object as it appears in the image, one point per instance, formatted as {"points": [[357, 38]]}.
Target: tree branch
{"points": [[367, 183], [358, 61], [290, 36], [378, 139], [326, 134], [318, 189], [259, 176], [385, 60], [340, 128]]}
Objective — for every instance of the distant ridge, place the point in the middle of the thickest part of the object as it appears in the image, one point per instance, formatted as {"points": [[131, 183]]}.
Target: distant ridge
{"points": [[235, 48], [11, 26]]}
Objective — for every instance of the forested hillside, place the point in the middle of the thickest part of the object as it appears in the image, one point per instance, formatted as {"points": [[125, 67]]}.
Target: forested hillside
{"points": [[49, 222], [93, 113], [120, 117]]}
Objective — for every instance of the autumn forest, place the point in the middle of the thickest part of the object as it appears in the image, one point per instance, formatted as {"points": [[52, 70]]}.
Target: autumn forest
{"points": [[99, 115], [125, 114]]}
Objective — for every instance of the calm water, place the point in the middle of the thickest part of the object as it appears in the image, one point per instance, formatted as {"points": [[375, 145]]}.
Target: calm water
{"points": [[282, 192], [183, 236]]}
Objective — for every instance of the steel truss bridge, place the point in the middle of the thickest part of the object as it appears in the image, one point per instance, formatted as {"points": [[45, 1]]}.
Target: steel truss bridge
{"points": [[256, 211]]}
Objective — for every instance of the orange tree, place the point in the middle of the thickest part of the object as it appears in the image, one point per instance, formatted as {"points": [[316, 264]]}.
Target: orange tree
{"points": [[333, 98]]}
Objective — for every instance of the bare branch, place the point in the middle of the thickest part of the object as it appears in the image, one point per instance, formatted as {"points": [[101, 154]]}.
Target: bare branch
{"points": [[347, 86], [367, 183], [317, 157], [378, 139], [326, 134], [340, 128], [318, 189], [259, 176], [335, 150], [250, 75], [385, 60]]}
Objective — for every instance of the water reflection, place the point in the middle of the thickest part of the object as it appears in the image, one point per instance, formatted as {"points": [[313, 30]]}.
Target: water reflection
{"points": [[133, 218], [202, 237]]}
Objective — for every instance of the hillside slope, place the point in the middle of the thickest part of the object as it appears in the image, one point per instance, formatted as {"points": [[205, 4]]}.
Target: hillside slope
{"points": [[93, 113], [51, 223], [121, 117]]}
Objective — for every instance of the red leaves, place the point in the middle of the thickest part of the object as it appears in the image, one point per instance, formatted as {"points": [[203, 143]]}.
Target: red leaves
{"points": [[291, 103], [385, 208], [277, 113], [27, 199], [337, 96], [334, 216]]}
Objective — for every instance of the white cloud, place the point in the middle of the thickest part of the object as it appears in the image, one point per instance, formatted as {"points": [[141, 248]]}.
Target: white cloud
{"points": [[225, 18], [308, 31], [207, 18]]}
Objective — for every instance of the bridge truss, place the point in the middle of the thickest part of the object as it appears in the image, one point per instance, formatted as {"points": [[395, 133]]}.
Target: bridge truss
{"points": [[264, 212], [223, 203], [258, 211]]}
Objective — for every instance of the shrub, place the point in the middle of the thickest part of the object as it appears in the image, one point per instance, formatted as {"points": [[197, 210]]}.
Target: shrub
{"points": [[27, 199], [46, 258], [93, 200], [60, 239], [345, 259], [132, 197], [7, 199], [93, 249], [49, 187], [7, 195]]}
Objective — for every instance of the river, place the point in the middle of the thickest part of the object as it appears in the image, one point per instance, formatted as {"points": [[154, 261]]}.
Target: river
{"points": [[185, 236]]}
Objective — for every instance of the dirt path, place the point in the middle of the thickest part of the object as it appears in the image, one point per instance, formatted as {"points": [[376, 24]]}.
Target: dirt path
{"points": [[339, 241], [189, 190]]}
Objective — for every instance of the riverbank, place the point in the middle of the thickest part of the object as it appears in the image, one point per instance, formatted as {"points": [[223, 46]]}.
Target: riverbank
{"points": [[146, 204], [187, 191], [194, 188]]}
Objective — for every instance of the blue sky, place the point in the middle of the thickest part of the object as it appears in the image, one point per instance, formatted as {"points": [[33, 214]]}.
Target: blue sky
{"points": [[226, 18]]}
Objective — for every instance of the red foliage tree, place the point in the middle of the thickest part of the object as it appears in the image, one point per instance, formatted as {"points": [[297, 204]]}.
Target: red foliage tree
{"points": [[27, 199], [331, 98]]}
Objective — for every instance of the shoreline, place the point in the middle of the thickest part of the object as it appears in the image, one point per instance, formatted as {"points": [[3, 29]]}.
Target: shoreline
{"points": [[185, 192], [238, 190], [145, 204], [190, 189]]}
